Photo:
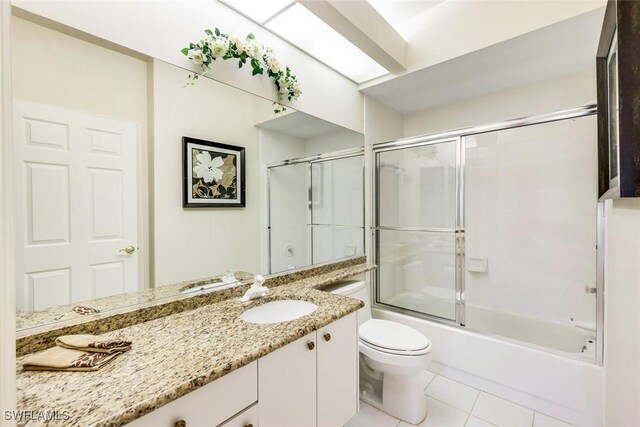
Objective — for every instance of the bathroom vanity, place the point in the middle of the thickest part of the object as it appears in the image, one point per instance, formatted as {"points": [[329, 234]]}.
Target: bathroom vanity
{"points": [[208, 367], [312, 381]]}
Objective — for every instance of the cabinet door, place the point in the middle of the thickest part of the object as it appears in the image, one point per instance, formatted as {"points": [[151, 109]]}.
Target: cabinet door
{"points": [[287, 385], [338, 372]]}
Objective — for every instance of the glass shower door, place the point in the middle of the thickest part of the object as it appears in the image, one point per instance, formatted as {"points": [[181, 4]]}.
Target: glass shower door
{"points": [[289, 237], [337, 208], [417, 228]]}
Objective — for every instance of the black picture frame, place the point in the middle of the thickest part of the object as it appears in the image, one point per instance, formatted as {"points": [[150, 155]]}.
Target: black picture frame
{"points": [[618, 92], [213, 174]]}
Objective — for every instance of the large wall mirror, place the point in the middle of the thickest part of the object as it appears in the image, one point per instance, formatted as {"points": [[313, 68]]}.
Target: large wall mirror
{"points": [[99, 178]]}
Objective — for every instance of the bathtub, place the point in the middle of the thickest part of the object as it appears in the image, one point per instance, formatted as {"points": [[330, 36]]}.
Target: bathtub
{"points": [[563, 338], [549, 382]]}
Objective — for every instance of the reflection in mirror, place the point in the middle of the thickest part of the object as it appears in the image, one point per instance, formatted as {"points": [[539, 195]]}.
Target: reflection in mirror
{"points": [[322, 192], [99, 178]]}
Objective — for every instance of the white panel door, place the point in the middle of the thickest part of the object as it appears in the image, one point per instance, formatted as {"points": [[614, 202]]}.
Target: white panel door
{"points": [[287, 385], [76, 181], [338, 372]]}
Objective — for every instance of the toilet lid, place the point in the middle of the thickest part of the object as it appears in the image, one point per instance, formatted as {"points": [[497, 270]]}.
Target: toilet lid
{"points": [[392, 335]]}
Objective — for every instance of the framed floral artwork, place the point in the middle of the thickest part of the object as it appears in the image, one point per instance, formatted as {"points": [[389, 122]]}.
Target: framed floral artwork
{"points": [[213, 174]]}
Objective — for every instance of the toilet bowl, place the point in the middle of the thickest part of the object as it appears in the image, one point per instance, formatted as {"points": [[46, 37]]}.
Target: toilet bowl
{"points": [[393, 357]]}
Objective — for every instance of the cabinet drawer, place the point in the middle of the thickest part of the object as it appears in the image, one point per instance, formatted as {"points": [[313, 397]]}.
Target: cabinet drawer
{"points": [[246, 418], [209, 405]]}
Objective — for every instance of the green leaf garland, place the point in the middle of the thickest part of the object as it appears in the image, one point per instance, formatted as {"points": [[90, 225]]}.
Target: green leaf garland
{"points": [[220, 45]]}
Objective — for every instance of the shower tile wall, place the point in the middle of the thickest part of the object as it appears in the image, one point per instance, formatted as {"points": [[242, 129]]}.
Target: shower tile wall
{"points": [[530, 212]]}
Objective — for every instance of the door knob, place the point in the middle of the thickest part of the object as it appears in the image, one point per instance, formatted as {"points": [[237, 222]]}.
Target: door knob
{"points": [[128, 250]]}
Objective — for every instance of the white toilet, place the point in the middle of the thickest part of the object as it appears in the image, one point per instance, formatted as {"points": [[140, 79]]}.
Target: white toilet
{"points": [[392, 359]]}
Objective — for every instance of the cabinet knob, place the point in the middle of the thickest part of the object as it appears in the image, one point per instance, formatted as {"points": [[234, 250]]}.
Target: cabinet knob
{"points": [[180, 423], [327, 337], [311, 345], [249, 425]]}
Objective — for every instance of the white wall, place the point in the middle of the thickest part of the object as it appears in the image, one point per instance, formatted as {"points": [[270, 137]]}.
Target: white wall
{"points": [[77, 75], [451, 29], [160, 29], [546, 97], [342, 139], [276, 146], [192, 243], [7, 242], [622, 313]]}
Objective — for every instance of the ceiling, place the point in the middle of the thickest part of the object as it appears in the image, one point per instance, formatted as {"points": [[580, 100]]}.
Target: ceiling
{"points": [[397, 12], [300, 125], [294, 22], [557, 50]]}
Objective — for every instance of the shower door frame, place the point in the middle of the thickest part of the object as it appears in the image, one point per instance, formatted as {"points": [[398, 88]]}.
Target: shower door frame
{"points": [[458, 229], [460, 135], [310, 160]]}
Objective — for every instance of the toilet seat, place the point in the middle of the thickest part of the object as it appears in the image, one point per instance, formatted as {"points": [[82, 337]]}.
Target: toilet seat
{"points": [[424, 351], [393, 338]]}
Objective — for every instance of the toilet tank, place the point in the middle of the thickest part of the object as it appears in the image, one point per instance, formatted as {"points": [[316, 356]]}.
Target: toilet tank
{"points": [[354, 289]]}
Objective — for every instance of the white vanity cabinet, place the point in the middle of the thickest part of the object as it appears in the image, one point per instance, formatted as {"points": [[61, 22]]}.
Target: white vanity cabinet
{"points": [[338, 361], [211, 405], [312, 381], [287, 385]]}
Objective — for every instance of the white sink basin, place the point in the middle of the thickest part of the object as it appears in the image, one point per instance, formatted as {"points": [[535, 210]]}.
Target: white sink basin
{"points": [[278, 311]]}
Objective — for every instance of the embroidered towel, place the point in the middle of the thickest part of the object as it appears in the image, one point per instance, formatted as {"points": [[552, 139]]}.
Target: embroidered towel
{"points": [[93, 343], [64, 359]]}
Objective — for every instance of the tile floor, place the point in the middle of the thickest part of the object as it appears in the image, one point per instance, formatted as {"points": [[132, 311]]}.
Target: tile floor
{"points": [[452, 404]]}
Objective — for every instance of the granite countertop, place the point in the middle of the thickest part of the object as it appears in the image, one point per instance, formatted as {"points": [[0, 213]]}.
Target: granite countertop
{"points": [[174, 355], [51, 315]]}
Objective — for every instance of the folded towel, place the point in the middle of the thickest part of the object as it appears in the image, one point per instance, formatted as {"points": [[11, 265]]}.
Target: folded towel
{"points": [[64, 359], [77, 311], [93, 343]]}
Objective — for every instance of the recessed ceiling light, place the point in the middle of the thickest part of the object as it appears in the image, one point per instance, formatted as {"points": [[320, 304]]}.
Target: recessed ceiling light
{"points": [[305, 30]]}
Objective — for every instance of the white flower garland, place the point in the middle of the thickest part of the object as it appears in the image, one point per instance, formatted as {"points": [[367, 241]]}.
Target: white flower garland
{"points": [[220, 45]]}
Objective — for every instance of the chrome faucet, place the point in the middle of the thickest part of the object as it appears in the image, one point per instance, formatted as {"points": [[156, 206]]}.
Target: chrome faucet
{"points": [[257, 290]]}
